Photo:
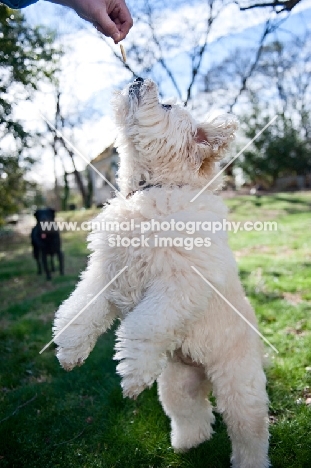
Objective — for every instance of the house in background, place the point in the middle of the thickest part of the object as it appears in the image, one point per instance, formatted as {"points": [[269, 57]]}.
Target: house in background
{"points": [[107, 164]]}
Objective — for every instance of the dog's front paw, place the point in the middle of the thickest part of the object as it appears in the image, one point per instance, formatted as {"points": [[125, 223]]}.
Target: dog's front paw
{"points": [[69, 359], [73, 356], [134, 380], [187, 434], [131, 387], [138, 371]]}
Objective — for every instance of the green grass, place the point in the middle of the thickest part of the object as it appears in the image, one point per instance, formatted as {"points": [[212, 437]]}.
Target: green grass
{"points": [[51, 418]]}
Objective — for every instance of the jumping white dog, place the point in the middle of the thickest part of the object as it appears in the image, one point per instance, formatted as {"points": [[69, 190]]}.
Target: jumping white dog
{"points": [[175, 328]]}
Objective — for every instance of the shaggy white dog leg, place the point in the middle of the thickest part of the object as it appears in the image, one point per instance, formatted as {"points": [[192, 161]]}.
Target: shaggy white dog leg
{"points": [[78, 339], [183, 392], [239, 386]]}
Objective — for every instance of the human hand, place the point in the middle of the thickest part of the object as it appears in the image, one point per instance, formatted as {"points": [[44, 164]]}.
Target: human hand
{"points": [[110, 17]]}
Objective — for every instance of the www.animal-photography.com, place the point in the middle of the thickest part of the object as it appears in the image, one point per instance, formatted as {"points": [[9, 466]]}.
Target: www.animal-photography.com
{"points": [[155, 219]]}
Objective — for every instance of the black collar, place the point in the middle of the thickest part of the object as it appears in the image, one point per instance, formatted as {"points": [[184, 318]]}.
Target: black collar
{"points": [[145, 187]]}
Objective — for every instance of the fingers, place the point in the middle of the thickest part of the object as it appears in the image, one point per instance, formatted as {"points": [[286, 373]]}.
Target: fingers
{"points": [[111, 17], [124, 22], [107, 27], [115, 23]]}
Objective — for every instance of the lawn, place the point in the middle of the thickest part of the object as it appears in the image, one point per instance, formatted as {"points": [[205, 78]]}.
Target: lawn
{"points": [[50, 418]]}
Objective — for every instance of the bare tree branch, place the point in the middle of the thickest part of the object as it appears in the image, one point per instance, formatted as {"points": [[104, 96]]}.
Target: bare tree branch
{"points": [[286, 5], [269, 28], [59, 124], [196, 67], [161, 57]]}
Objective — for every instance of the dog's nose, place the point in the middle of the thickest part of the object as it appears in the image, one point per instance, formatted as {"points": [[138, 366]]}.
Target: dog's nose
{"points": [[135, 87]]}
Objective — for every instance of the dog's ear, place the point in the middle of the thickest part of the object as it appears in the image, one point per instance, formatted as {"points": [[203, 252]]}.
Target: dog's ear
{"points": [[213, 137], [36, 215]]}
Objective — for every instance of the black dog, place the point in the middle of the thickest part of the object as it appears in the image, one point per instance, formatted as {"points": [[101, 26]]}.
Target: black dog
{"points": [[46, 242]]}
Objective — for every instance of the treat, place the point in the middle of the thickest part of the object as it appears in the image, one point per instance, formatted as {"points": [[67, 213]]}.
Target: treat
{"points": [[123, 53]]}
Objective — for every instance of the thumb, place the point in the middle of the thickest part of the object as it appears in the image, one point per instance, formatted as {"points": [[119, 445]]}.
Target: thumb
{"points": [[108, 27]]}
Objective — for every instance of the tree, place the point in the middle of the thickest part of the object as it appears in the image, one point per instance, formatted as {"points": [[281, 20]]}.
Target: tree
{"points": [[279, 151], [11, 185], [26, 57], [274, 81], [171, 32], [286, 148], [287, 67], [55, 138]]}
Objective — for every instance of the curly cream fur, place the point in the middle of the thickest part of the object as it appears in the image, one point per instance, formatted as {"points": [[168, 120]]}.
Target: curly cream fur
{"points": [[174, 328]]}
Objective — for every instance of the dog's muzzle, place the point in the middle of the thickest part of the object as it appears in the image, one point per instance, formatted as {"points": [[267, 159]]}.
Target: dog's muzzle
{"points": [[134, 89]]}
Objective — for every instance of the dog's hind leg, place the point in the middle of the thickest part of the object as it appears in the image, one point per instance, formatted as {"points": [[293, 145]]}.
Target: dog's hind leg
{"points": [[36, 249], [239, 387], [90, 316], [183, 391], [52, 263], [60, 255], [36, 256], [39, 269], [45, 264]]}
